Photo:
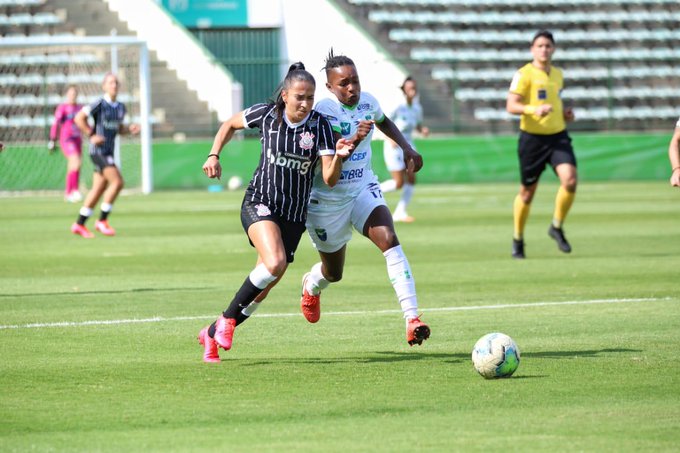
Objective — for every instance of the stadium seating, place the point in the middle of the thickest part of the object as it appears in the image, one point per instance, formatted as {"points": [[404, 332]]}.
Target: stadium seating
{"points": [[25, 73], [619, 57]]}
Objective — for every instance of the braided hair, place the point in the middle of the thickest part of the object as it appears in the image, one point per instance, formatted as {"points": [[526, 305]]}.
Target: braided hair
{"points": [[335, 61]]}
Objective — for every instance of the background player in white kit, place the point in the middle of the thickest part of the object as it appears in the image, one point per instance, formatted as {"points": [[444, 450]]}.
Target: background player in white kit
{"points": [[356, 201], [408, 117]]}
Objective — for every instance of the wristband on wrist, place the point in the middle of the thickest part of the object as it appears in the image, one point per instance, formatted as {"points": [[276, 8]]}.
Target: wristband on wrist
{"points": [[217, 156]]}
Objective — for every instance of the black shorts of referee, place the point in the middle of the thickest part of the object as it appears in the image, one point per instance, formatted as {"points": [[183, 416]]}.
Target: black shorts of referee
{"points": [[536, 151], [291, 232]]}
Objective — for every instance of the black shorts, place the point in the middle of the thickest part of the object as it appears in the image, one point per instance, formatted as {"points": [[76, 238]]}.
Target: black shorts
{"points": [[291, 232], [536, 151], [101, 161]]}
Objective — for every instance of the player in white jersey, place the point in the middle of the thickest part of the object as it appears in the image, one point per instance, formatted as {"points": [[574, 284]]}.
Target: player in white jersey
{"points": [[356, 201], [674, 156], [408, 117]]}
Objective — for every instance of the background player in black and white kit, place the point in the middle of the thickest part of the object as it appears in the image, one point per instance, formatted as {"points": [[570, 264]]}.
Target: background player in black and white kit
{"points": [[296, 140], [108, 116]]}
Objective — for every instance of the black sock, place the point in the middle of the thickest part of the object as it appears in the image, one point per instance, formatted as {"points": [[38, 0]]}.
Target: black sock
{"points": [[82, 219], [246, 294], [104, 215], [241, 318]]}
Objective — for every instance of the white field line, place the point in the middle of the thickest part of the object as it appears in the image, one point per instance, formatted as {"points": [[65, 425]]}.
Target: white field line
{"points": [[331, 313]]}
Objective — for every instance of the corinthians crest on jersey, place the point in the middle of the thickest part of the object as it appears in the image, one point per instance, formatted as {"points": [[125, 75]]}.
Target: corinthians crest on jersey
{"points": [[307, 140]]}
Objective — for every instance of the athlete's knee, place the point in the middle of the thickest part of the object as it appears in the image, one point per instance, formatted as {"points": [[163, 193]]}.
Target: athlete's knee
{"points": [[526, 195], [385, 238], [275, 265], [570, 184]]}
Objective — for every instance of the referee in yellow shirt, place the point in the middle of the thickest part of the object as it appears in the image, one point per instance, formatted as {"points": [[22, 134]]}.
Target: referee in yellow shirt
{"points": [[535, 95]]}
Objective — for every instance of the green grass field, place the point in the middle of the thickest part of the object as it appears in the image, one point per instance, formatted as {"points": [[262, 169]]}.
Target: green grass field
{"points": [[99, 350]]}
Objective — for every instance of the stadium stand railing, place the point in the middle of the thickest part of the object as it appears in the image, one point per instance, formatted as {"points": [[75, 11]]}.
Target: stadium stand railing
{"points": [[620, 57]]}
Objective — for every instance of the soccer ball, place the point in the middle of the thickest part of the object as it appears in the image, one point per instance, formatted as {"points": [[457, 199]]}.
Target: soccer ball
{"points": [[495, 355], [234, 183]]}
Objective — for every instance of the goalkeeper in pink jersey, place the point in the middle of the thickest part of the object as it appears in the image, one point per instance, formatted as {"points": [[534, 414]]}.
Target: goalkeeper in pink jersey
{"points": [[69, 142]]}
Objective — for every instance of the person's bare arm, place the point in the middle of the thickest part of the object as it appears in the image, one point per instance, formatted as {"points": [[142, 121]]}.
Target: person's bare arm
{"points": [[212, 167], [674, 157]]}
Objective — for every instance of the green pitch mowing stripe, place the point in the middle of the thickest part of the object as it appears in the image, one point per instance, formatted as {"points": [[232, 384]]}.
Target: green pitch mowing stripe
{"points": [[594, 376]]}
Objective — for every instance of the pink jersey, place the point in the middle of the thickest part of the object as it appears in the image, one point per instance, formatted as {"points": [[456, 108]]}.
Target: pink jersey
{"points": [[63, 120]]}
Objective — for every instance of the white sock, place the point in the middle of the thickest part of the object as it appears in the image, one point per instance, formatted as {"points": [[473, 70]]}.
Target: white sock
{"points": [[250, 309], [402, 281], [106, 207], [406, 195], [261, 277], [85, 211], [388, 186], [315, 280]]}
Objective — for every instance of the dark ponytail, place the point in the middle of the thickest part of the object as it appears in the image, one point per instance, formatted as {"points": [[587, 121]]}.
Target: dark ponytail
{"points": [[296, 73]]}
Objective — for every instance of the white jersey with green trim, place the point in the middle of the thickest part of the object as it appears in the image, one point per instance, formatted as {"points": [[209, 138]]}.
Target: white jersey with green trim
{"points": [[357, 172]]}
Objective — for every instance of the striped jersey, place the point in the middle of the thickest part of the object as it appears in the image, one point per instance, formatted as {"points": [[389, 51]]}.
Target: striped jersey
{"points": [[538, 87], [64, 124], [108, 116], [357, 172], [288, 161]]}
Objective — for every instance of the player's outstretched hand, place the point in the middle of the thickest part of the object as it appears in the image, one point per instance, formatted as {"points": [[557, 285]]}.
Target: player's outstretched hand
{"points": [[134, 129], [343, 148], [212, 168]]}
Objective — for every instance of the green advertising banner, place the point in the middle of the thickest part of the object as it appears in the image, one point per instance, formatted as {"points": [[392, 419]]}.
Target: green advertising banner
{"points": [[209, 13]]}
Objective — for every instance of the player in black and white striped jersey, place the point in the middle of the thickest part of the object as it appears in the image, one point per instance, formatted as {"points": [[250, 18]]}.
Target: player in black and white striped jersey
{"points": [[296, 142], [108, 116]]}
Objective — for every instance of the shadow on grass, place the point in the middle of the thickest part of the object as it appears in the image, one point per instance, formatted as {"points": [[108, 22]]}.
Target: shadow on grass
{"points": [[112, 291], [395, 356], [583, 353], [372, 357]]}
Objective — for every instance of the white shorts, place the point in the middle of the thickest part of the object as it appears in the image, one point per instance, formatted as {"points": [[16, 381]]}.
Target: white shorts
{"points": [[394, 157], [330, 224]]}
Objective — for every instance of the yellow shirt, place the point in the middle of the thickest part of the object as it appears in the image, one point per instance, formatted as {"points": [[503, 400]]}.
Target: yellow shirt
{"points": [[536, 88]]}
